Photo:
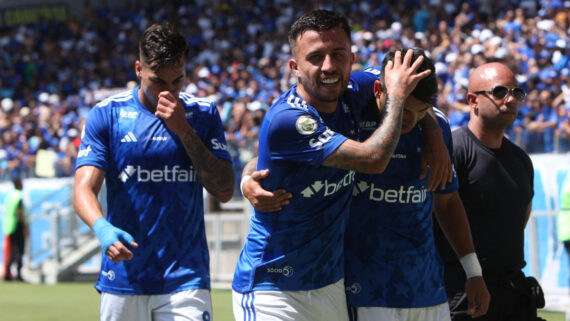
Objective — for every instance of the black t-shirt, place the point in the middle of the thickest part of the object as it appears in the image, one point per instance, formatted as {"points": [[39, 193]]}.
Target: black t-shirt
{"points": [[496, 187]]}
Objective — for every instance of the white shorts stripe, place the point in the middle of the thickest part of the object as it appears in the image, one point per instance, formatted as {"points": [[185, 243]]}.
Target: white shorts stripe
{"points": [[327, 303], [248, 307]]}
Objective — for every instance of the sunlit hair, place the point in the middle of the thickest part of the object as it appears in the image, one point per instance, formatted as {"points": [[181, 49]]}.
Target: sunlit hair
{"points": [[162, 45]]}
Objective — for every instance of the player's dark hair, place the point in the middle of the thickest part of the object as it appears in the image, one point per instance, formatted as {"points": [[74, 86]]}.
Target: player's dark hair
{"points": [[426, 89], [162, 45], [317, 20]]}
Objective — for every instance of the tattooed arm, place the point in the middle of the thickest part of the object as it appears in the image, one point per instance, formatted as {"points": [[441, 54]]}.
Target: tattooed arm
{"points": [[373, 155], [215, 174]]}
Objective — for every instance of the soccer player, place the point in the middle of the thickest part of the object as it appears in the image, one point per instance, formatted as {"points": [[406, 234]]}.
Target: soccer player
{"points": [[393, 270], [496, 186], [291, 266], [156, 148]]}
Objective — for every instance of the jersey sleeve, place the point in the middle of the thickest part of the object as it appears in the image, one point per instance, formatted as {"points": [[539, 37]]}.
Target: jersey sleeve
{"points": [[299, 136], [94, 146], [446, 131], [216, 140]]}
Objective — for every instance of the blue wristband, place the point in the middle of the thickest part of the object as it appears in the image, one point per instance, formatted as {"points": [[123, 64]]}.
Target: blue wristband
{"points": [[108, 234]]}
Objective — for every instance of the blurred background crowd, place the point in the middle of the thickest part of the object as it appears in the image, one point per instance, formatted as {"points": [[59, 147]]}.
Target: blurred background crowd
{"points": [[52, 73]]}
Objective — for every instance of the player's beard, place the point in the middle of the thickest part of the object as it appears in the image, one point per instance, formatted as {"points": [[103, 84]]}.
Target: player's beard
{"points": [[319, 92]]}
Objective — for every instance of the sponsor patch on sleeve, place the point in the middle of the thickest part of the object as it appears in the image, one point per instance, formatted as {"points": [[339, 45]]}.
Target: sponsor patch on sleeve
{"points": [[306, 125]]}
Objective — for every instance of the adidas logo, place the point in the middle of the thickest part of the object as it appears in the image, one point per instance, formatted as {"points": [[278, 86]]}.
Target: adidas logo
{"points": [[129, 138]]}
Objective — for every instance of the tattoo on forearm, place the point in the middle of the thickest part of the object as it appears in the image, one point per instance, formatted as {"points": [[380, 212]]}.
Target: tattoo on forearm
{"points": [[250, 167], [387, 136], [380, 145], [214, 174]]}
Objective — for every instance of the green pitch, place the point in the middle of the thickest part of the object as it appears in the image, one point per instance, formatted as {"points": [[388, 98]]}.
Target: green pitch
{"points": [[80, 302]]}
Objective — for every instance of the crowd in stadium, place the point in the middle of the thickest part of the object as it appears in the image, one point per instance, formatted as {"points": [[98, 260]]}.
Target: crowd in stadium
{"points": [[52, 73]]}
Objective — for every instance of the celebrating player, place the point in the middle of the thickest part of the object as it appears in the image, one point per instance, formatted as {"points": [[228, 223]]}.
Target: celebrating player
{"points": [[156, 148], [291, 266]]}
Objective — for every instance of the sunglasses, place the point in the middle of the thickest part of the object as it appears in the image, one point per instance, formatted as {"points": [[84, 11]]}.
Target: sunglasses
{"points": [[500, 92]]}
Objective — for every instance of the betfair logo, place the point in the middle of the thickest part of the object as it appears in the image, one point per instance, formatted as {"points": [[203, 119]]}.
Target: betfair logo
{"points": [[328, 188], [403, 195], [126, 173], [167, 174]]}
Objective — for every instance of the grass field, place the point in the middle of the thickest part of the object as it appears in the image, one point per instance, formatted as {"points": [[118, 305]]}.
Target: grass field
{"points": [[80, 302]]}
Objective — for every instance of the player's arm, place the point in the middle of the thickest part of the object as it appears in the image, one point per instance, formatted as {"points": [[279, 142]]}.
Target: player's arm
{"points": [[435, 153], [261, 199], [215, 174], [88, 182], [452, 218], [373, 155]]}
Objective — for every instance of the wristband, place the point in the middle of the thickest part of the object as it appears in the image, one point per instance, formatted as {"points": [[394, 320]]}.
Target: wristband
{"points": [[471, 265], [243, 179], [109, 234]]}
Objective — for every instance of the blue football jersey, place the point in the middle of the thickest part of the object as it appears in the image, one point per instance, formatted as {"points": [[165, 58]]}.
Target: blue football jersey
{"points": [[391, 259], [301, 246], [153, 192]]}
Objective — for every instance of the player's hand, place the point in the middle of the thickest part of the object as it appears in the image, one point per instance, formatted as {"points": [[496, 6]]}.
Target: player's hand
{"points": [[113, 240], [436, 156], [171, 111], [401, 76], [478, 296], [261, 199]]}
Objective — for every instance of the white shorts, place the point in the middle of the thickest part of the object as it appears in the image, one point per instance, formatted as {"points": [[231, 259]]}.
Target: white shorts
{"points": [[327, 303], [190, 305], [433, 313]]}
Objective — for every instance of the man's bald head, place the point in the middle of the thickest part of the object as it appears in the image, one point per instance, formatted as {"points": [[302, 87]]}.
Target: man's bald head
{"points": [[485, 76]]}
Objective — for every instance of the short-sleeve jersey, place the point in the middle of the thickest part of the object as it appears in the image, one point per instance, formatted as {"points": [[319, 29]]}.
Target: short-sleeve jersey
{"points": [[301, 246], [496, 187], [390, 254], [153, 192]]}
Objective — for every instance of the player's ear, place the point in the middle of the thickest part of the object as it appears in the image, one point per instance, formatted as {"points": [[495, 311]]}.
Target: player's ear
{"points": [[293, 66], [377, 88], [138, 68]]}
